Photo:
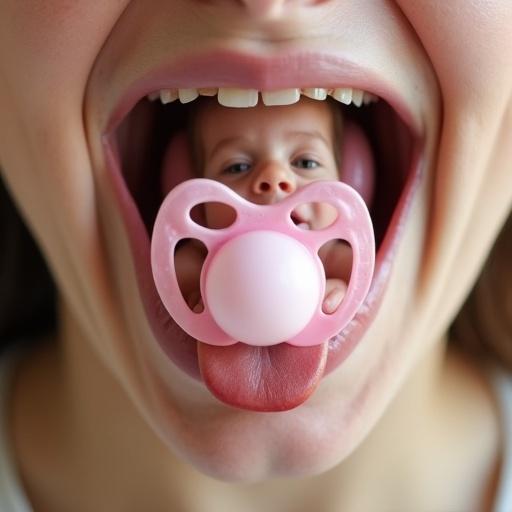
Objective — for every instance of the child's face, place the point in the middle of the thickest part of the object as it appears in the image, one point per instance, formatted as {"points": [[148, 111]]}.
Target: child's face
{"points": [[265, 154], [64, 67]]}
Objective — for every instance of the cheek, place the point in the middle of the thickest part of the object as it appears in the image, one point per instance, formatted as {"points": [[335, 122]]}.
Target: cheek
{"points": [[468, 41], [47, 50], [468, 44], [54, 41]]}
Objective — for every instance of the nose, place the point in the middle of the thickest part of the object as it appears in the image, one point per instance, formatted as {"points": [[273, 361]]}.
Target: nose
{"points": [[264, 8], [273, 182], [275, 8]]}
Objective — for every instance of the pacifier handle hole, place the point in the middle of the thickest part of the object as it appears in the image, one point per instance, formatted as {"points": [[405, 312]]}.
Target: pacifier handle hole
{"points": [[189, 257], [336, 256], [314, 216], [213, 215]]}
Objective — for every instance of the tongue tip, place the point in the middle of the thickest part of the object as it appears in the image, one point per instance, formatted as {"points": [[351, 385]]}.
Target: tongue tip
{"points": [[244, 402], [262, 379]]}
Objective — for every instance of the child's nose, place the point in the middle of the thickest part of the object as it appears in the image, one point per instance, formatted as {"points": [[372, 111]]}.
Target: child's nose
{"points": [[274, 181]]}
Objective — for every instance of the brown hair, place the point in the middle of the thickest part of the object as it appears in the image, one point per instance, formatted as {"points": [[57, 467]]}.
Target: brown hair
{"points": [[27, 291], [483, 326]]}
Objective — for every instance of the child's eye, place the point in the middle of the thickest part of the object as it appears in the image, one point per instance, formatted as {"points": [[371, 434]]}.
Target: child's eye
{"points": [[305, 163], [237, 168]]}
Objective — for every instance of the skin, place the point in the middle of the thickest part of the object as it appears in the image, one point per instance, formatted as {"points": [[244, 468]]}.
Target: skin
{"points": [[100, 421], [264, 155]]}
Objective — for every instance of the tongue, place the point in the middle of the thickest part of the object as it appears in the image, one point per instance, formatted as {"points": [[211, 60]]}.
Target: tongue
{"points": [[275, 378]]}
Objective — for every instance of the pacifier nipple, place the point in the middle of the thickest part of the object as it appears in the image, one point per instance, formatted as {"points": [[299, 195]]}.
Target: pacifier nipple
{"points": [[263, 287]]}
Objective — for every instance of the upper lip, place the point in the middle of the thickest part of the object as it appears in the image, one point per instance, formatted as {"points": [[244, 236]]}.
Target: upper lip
{"points": [[224, 68]]}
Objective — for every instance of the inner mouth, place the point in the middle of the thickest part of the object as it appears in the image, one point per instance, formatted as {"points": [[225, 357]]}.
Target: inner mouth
{"points": [[142, 137], [279, 377]]}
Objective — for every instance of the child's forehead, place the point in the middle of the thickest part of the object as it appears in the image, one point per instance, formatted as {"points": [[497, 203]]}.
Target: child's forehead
{"points": [[312, 112]]}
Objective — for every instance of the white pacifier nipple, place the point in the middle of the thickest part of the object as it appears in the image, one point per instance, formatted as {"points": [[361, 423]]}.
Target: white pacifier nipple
{"points": [[263, 287]]}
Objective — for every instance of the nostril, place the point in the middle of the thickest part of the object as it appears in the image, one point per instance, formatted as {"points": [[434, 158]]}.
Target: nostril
{"points": [[283, 186]]}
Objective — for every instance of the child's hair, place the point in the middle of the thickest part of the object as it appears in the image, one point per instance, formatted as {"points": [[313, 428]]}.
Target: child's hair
{"points": [[196, 149]]}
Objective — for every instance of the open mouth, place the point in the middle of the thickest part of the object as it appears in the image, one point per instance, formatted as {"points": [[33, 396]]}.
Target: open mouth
{"points": [[136, 143]]}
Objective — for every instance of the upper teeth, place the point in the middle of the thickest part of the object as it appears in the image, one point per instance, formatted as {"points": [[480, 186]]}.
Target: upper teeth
{"points": [[233, 97]]}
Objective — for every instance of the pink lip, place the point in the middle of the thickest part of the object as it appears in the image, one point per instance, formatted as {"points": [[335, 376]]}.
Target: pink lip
{"points": [[249, 71]]}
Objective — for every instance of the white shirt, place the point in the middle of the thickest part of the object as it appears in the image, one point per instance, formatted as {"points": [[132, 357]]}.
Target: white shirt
{"points": [[503, 386], [13, 498]]}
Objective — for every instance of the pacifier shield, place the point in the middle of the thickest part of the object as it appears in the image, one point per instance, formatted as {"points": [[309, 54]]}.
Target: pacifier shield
{"points": [[215, 325]]}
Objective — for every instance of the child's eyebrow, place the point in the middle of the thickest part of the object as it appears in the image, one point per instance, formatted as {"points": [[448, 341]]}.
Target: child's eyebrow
{"points": [[225, 142], [315, 134]]}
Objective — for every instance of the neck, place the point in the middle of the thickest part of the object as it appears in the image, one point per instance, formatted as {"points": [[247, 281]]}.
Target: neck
{"points": [[80, 440]]}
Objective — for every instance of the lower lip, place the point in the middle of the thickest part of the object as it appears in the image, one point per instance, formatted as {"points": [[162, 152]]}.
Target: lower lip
{"points": [[179, 346]]}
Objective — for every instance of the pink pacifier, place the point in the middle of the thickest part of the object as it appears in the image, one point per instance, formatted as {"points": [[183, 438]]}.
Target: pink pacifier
{"points": [[262, 282]]}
